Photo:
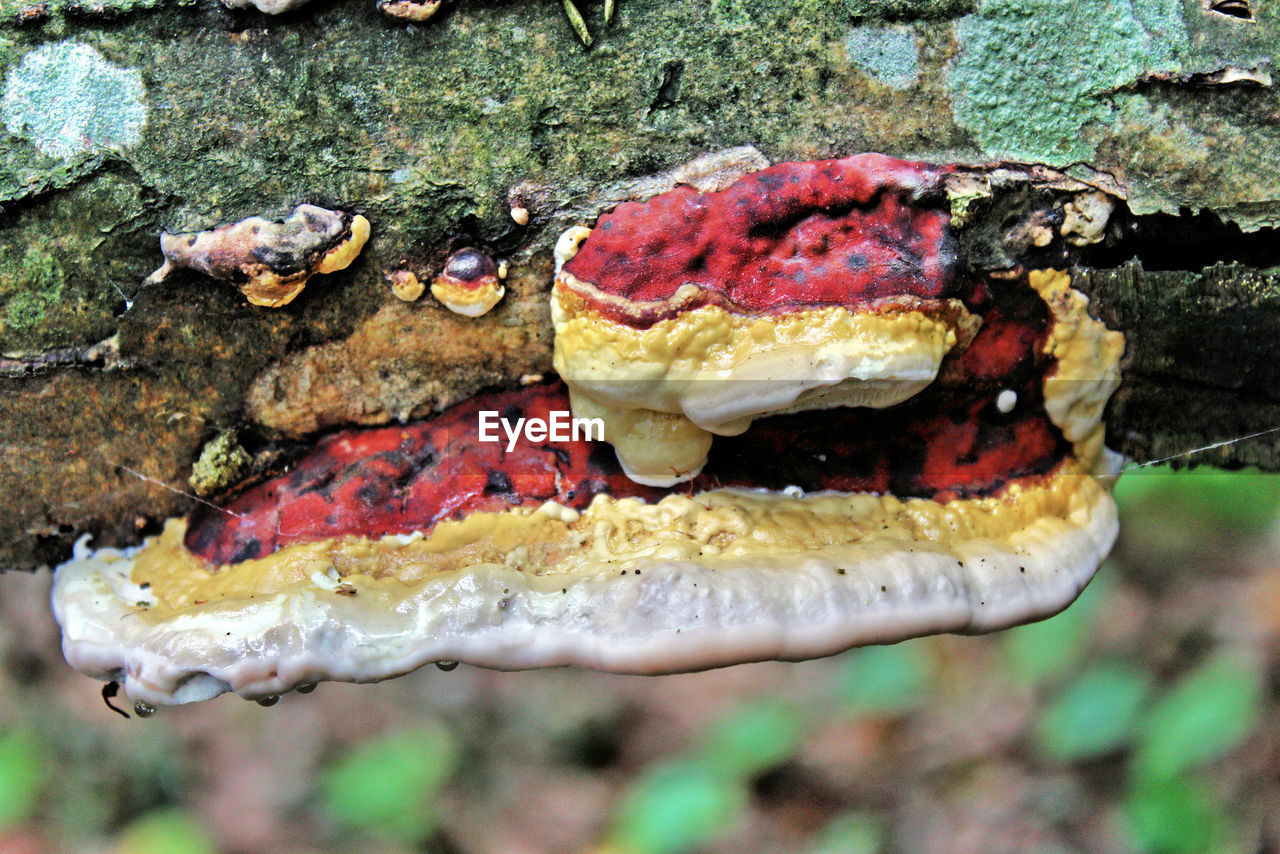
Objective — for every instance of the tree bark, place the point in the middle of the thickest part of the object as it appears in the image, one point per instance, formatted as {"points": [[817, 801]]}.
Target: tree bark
{"points": [[126, 118]]}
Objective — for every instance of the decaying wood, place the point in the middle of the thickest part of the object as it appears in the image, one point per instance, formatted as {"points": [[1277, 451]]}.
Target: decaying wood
{"points": [[491, 126]]}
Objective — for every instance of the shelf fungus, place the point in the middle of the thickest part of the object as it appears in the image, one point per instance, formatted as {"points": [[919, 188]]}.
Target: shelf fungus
{"points": [[469, 283], [270, 262], [944, 485], [804, 285]]}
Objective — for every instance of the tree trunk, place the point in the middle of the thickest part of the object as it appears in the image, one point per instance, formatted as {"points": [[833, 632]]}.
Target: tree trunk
{"points": [[128, 117]]}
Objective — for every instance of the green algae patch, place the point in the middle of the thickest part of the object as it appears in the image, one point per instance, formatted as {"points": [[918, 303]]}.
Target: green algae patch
{"points": [[36, 289], [1200, 148], [66, 111], [26, 12], [1217, 40], [889, 55], [425, 129], [66, 99], [427, 140], [731, 15], [1031, 75], [1124, 84], [221, 464]]}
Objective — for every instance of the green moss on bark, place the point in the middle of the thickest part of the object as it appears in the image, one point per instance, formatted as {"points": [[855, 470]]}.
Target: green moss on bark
{"points": [[71, 260], [1032, 74]]}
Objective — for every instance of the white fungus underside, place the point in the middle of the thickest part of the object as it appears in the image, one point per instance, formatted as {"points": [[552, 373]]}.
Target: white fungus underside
{"points": [[674, 615]]}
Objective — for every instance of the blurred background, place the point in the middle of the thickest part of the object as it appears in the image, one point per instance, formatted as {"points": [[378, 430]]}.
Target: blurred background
{"points": [[1144, 718]]}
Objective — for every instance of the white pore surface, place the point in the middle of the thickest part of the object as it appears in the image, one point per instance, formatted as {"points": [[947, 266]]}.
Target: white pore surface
{"points": [[794, 379], [633, 614], [478, 308]]}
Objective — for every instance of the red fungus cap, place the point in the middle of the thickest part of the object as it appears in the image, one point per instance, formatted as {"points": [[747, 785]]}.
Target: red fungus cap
{"points": [[830, 232]]}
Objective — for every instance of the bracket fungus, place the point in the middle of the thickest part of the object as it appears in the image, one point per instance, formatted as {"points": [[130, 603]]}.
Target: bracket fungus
{"points": [[469, 283], [956, 495], [804, 285], [270, 262]]}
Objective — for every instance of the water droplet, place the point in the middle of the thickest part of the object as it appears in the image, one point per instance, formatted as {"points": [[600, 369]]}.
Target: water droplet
{"points": [[446, 665], [306, 688], [267, 701], [143, 710]]}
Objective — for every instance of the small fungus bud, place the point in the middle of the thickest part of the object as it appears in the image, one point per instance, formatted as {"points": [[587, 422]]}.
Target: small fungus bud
{"points": [[568, 244], [270, 262], [469, 284], [1085, 218], [525, 198], [415, 11], [405, 285]]}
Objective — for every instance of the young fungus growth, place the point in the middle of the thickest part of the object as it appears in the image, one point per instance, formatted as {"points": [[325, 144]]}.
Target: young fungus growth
{"points": [[270, 262], [468, 284], [413, 11], [406, 285]]}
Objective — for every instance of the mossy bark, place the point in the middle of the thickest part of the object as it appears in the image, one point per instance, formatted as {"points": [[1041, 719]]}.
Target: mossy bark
{"points": [[426, 130]]}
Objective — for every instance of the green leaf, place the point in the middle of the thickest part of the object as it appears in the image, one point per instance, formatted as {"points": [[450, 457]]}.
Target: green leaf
{"points": [[1244, 501], [676, 807], [387, 786], [884, 678], [1039, 652], [1175, 816], [851, 833], [165, 832], [1205, 715], [1095, 715], [21, 776], [754, 738]]}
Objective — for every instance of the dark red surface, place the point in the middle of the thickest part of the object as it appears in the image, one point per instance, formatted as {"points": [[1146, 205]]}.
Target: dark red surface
{"points": [[469, 269], [398, 479], [945, 443], [828, 232], [949, 441]]}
